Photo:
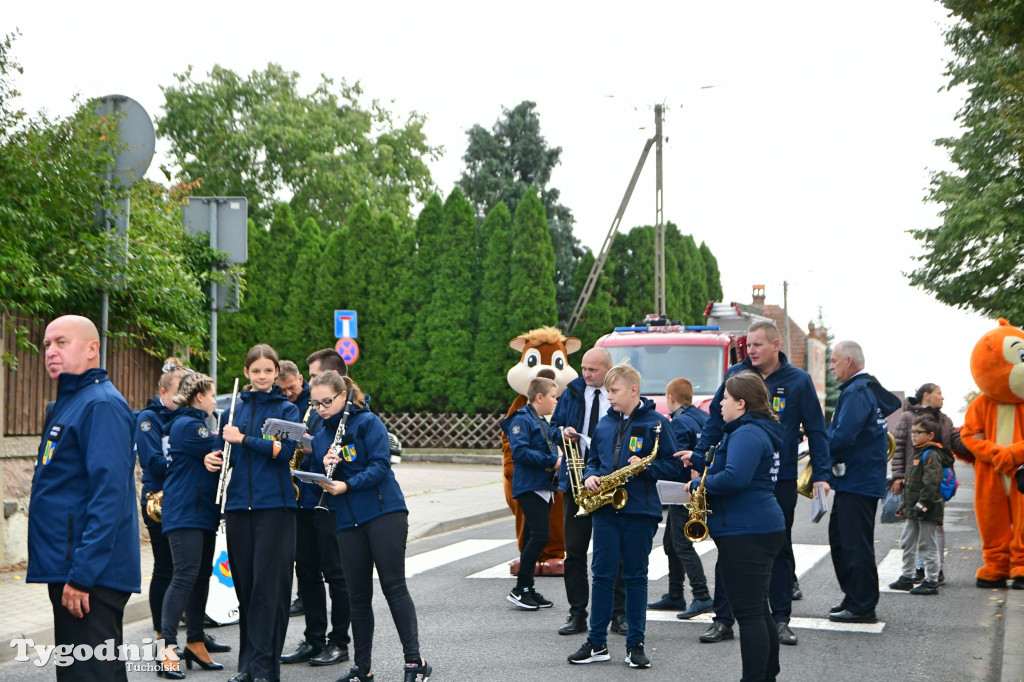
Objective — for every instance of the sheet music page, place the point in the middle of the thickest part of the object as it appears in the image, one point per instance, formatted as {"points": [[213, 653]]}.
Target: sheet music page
{"points": [[672, 492], [309, 476], [819, 504]]}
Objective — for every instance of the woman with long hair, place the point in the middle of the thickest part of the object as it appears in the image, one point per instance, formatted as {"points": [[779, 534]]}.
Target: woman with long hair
{"points": [[260, 516], [746, 521], [190, 519], [373, 521]]}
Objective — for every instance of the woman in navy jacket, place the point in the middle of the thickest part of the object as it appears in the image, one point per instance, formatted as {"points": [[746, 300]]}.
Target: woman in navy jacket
{"points": [[190, 519], [151, 424], [373, 521], [260, 516], [745, 519]]}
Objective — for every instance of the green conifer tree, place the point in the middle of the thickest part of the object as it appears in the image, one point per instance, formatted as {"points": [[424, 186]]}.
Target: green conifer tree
{"points": [[418, 296], [712, 276], [493, 356], [532, 301], [308, 314]]}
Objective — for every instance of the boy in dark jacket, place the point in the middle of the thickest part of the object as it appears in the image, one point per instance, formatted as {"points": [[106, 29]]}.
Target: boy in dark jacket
{"points": [[922, 506]]}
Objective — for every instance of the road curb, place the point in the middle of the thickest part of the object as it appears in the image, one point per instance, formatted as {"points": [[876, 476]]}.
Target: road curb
{"points": [[1013, 635], [450, 458], [458, 524]]}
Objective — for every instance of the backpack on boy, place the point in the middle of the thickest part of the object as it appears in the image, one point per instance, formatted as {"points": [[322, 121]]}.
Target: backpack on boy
{"points": [[949, 484]]}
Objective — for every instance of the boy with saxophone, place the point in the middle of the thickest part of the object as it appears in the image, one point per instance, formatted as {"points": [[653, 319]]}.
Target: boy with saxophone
{"points": [[631, 449]]}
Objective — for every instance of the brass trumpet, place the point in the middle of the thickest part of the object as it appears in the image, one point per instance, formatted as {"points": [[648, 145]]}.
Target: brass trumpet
{"points": [[696, 529], [574, 465]]}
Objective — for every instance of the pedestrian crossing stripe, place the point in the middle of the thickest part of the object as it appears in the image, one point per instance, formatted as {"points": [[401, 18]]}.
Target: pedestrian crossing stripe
{"points": [[795, 623]]}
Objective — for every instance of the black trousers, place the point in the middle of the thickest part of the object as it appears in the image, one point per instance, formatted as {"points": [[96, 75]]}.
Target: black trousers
{"points": [[261, 546], [851, 536], [682, 557], [104, 621], [317, 559], [379, 543], [535, 535], [192, 550], [163, 568], [578, 532], [745, 565]]}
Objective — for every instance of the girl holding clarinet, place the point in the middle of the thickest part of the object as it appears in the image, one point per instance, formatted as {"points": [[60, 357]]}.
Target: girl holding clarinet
{"points": [[190, 519], [373, 521], [260, 516]]}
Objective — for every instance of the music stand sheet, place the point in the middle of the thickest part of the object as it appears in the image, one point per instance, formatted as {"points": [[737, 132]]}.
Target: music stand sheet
{"points": [[673, 492]]}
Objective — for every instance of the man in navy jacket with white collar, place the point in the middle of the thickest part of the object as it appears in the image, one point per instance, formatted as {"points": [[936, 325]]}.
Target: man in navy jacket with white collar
{"points": [[83, 525]]}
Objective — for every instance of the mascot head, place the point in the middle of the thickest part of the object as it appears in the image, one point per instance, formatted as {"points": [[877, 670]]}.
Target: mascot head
{"points": [[997, 364], [545, 353]]}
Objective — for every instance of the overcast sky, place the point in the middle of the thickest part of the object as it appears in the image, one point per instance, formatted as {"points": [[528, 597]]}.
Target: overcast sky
{"points": [[806, 161]]}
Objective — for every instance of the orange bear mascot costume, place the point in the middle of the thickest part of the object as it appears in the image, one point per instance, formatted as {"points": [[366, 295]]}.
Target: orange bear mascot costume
{"points": [[993, 432], [545, 353]]}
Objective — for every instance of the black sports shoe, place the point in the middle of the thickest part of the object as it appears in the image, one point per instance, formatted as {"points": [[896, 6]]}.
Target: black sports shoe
{"points": [[588, 653], [926, 587], [356, 675], [539, 599], [417, 672], [636, 657], [523, 598], [919, 576], [902, 583]]}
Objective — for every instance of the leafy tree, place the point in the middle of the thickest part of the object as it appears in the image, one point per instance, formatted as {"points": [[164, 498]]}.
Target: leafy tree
{"points": [[688, 271], [502, 164], [401, 324], [972, 259], [56, 258], [449, 325], [712, 277], [596, 319], [307, 313], [417, 296], [493, 356], [390, 379], [531, 279], [258, 136]]}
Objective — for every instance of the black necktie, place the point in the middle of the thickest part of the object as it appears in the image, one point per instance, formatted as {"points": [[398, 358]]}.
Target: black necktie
{"points": [[595, 407]]}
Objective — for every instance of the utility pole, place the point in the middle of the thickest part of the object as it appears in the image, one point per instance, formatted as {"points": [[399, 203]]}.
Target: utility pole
{"points": [[785, 315], [659, 218]]}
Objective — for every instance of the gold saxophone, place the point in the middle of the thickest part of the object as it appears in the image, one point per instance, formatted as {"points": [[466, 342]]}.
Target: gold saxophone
{"points": [[154, 505], [696, 529], [612, 490], [299, 455]]}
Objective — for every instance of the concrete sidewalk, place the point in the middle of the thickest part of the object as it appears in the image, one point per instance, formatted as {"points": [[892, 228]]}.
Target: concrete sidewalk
{"points": [[440, 496]]}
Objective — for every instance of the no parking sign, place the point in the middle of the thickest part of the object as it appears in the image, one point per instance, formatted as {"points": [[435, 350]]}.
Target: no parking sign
{"points": [[348, 349]]}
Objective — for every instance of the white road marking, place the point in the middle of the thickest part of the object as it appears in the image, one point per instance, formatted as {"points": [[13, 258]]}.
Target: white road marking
{"points": [[419, 563], [807, 556], [889, 570], [795, 623]]}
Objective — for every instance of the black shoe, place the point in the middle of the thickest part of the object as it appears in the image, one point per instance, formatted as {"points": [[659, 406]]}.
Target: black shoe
{"points": [[331, 654], [668, 603], [850, 617], [356, 675], [213, 647], [297, 609], [918, 576], [716, 633], [990, 583], [927, 587], [573, 625], [241, 677], [618, 624], [523, 598], [171, 674], [1017, 584], [697, 607], [902, 583], [786, 636], [942, 579], [539, 599], [417, 672], [588, 653], [189, 657], [305, 652], [797, 592], [636, 657], [841, 606]]}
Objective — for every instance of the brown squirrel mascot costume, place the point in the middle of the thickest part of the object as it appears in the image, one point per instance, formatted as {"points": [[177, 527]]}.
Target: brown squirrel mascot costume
{"points": [[993, 431], [545, 353]]}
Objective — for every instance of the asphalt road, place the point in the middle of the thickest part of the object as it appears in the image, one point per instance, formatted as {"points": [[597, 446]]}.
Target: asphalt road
{"points": [[469, 632]]}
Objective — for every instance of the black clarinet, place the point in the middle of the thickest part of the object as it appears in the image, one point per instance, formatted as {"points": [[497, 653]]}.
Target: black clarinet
{"points": [[339, 437]]}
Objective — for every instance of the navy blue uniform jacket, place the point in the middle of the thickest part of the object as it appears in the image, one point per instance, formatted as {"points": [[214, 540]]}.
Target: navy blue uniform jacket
{"points": [[190, 490], [530, 452], [258, 479], [857, 435], [83, 524], [568, 412], [150, 445], [365, 467], [740, 485], [795, 401], [635, 436]]}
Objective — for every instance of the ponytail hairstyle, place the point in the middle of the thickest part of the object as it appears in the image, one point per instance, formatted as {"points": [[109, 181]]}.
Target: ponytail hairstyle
{"points": [[340, 384], [919, 396], [750, 387], [261, 350], [192, 385]]}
